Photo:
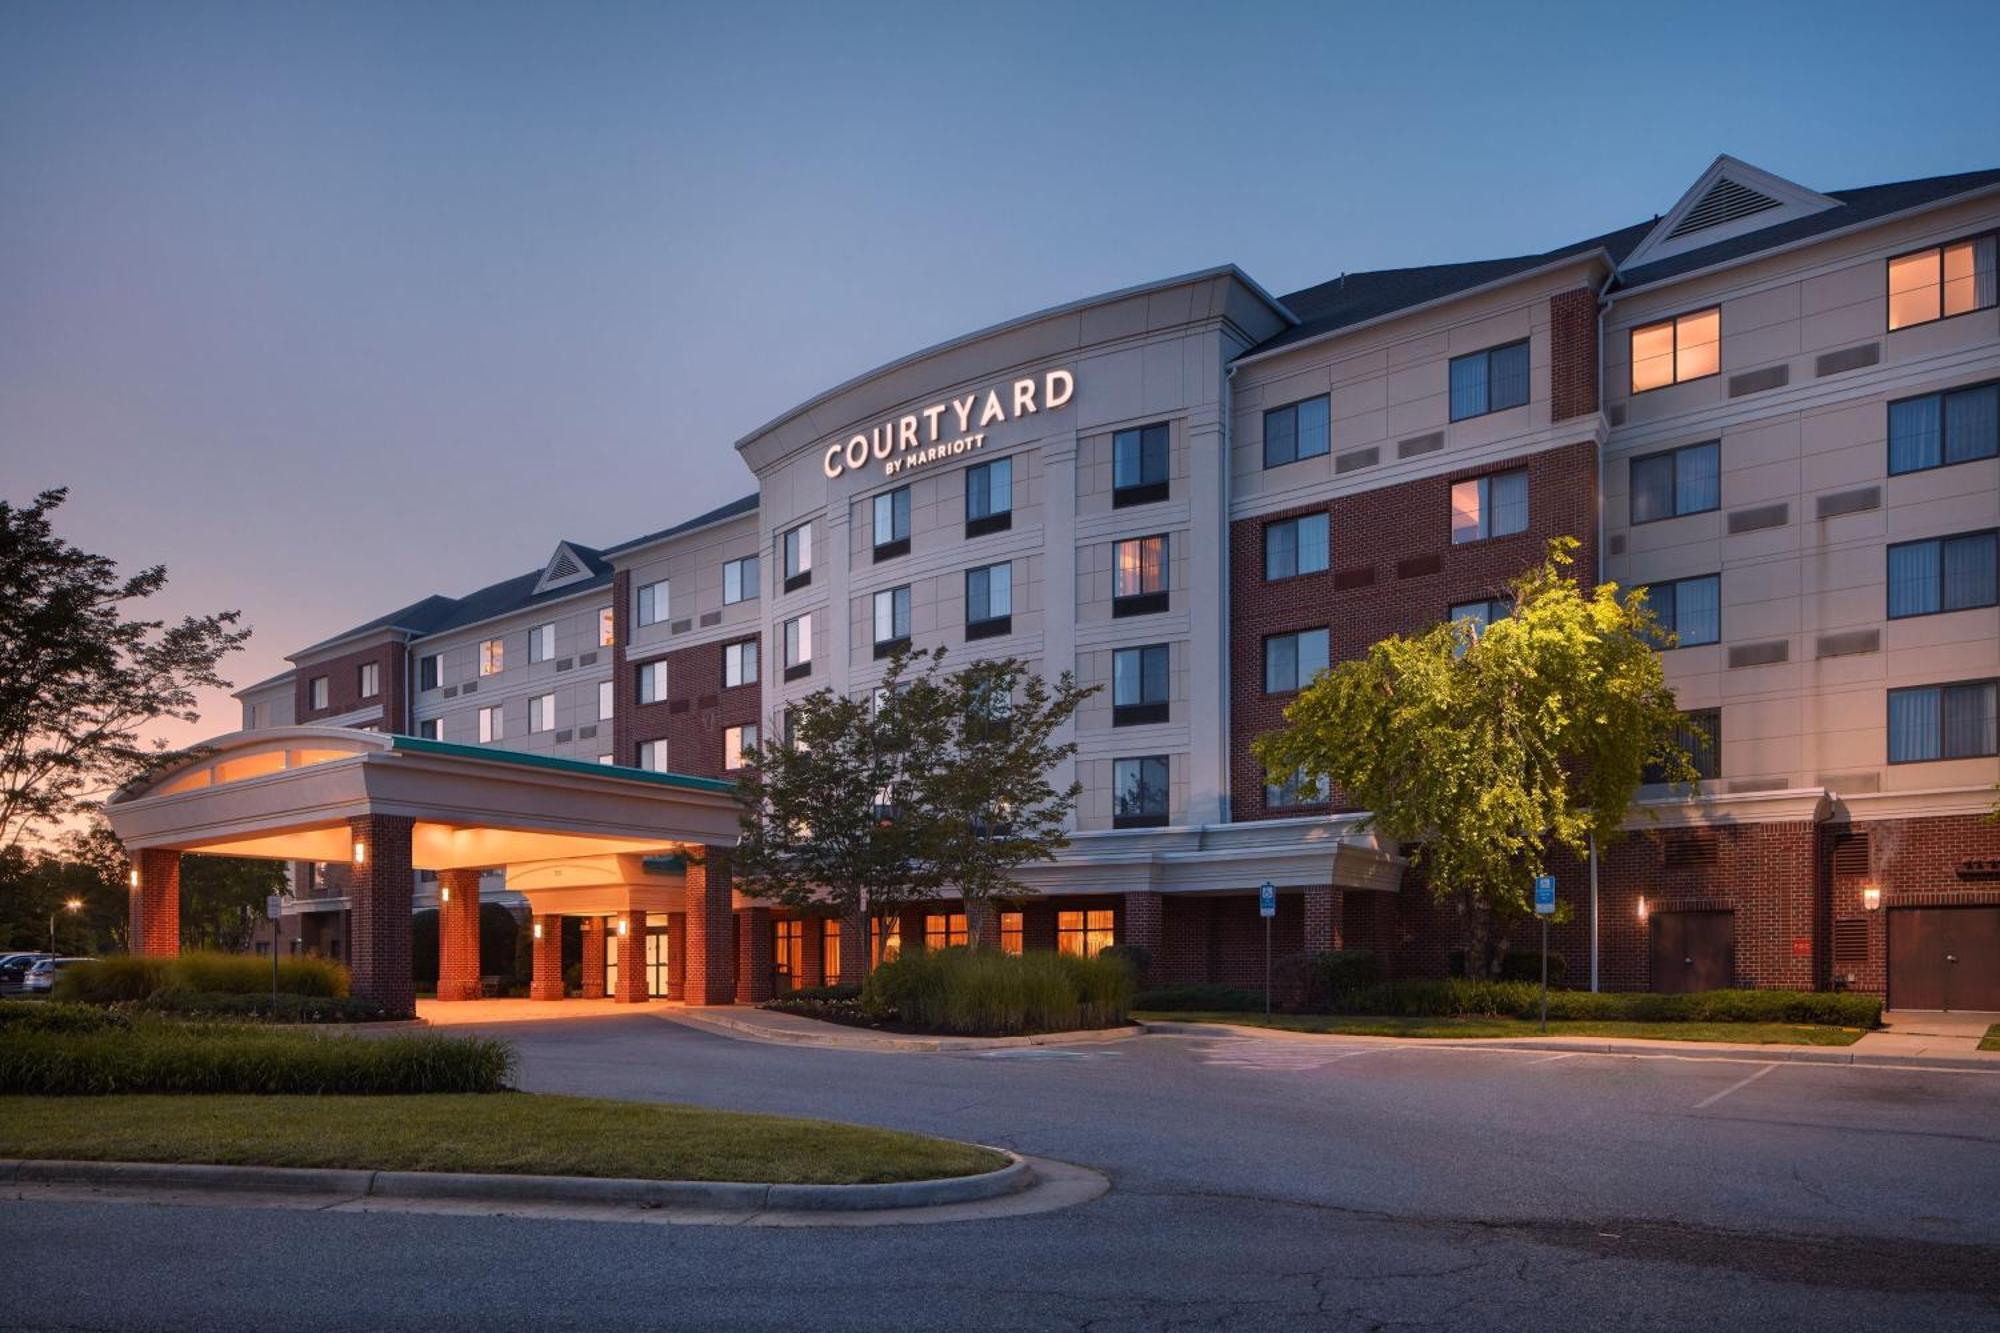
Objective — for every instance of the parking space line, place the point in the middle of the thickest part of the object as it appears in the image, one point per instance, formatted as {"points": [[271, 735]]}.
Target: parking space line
{"points": [[1734, 1087], [1549, 1060]]}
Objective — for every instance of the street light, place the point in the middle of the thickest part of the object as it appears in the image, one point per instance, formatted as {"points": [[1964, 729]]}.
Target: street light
{"points": [[72, 906]]}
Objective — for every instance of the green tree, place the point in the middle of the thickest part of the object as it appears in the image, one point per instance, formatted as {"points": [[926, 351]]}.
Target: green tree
{"points": [[222, 899], [87, 868], [1492, 751], [79, 681]]}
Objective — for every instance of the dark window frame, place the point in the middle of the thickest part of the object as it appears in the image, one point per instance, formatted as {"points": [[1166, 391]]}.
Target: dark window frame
{"points": [[1707, 757], [1631, 361], [786, 541], [1293, 522], [1673, 456], [1143, 491], [1293, 408], [1265, 658], [1487, 354], [1119, 821], [1889, 295], [1943, 687], [993, 520], [1889, 613], [1143, 603], [1675, 628], [899, 516], [430, 671], [1144, 710], [1944, 423], [990, 626], [888, 646]]}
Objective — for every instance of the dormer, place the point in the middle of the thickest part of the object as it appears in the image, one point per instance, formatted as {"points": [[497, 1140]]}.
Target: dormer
{"points": [[1731, 199], [568, 565]]}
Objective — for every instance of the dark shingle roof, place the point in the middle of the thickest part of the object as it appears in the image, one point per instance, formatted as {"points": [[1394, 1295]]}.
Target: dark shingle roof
{"points": [[745, 505]]}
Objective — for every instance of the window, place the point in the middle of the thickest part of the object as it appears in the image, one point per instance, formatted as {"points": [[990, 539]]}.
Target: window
{"points": [[431, 729], [1139, 792], [1680, 481], [944, 930], [606, 700], [1940, 282], [608, 760], [541, 643], [788, 953], [1942, 722], [892, 524], [798, 646], [739, 663], [492, 725], [1139, 576], [739, 580], [1689, 609], [1943, 574], [1479, 615], [887, 936], [542, 713], [1674, 351], [369, 679], [1295, 546], [430, 671], [892, 619], [1296, 431], [1700, 734], [1011, 932], [492, 657], [652, 681], [1292, 660], [607, 627], [830, 952], [796, 546], [1489, 381], [1940, 429], [653, 603], [1300, 788], [989, 497], [653, 756], [1492, 506], [1087, 933], [1139, 466], [1139, 685], [735, 740], [989, 601], [316, 692]]}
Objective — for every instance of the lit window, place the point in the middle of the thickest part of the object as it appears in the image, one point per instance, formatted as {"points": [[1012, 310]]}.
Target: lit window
{"points": [[370, 682], [1492, 506], [1296, 546], [430, 671], [1292, 660], [1296, 431], [830, 953], [607, 627], [1674, 351], [989, 497], [798, 646], [1678, 482], [1940, 429], [607, 696], [542, 713], [652, 682], [1940, 282], [492, 725], [1299, 788], [1085, 933], [492, 657], [1011, 932], [887, 938], [1943, 574], [788, 953], [892, 619], [1942, 722], [739, 663], [316, 692], [739, 580], [1139, 466], [1489, 381], [541, 643], [892, 523], [1139, 792], [653, 756], [796, 547], [653, 603], [1139, 576], [607, 759], [1139, 685], [1699, 732], [1689, 609], [735, 740], [989, 601], [944, 930]]}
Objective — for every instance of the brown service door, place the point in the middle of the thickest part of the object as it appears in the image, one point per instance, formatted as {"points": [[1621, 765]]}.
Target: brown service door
{"points": [[1944, 958], [1693, 951]]}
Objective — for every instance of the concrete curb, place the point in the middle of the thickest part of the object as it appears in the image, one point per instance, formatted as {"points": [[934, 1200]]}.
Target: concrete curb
{"points": [[717, 1195], [1688, 1050], [862, 1039]]}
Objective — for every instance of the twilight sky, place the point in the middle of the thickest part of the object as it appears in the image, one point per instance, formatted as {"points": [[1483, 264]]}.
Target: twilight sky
{"points": [[331, 306]]}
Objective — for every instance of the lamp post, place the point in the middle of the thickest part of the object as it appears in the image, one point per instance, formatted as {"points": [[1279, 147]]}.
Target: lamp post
{"points": [[72, 906]]}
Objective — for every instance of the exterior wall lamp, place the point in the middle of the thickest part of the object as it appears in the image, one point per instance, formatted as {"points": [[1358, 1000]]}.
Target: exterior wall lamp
{"points": [[538, 930], [1871, 897], [1642, 907], [360, 852], [624, 926], [444, 893], [134, 877]]}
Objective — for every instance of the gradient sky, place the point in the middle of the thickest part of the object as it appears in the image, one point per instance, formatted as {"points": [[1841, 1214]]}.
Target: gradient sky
{"points": [[332, 306]]}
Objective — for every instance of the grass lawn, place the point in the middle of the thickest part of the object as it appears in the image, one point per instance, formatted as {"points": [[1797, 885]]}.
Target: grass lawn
{"points": [[510, 1132], [1991, 1041], [1359, 1025]]}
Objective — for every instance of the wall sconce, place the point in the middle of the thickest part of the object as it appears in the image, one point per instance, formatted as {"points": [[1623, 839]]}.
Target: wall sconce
{"points": [[624, 926], [538, 930], [1871, 897], [134, 877], [360, 852], [1642, 907], [444, 893]]}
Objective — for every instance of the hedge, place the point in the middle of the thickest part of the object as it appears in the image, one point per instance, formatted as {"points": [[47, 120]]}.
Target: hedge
{"points": [[164, 1057], [1200, 999], [983, 993], [1520, 999], [126, 977], [52, 1016], [286, 1008]]}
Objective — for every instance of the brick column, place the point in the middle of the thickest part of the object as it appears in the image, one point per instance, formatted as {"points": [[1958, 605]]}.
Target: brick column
{"points": [[1038, 927], [547, 983], [711, 963], [912, 921], [677, 956], [753, 955], [633, 984], [1323, 919], [1143, 922], [982, 925], [595, 928], [154, 925], [458, 935], [812, 951], [856, 957], [380, 886]]}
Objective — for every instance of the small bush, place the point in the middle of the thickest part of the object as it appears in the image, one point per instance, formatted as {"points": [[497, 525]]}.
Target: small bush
{"points": [[1198, 999], [823, 993], [33, 1016], [1135, 956], [1520, 999], [126, 977], [167, 1057], [1519, 965], [287, 1009], [1309, 981], [982, 993], [830, 1009]]}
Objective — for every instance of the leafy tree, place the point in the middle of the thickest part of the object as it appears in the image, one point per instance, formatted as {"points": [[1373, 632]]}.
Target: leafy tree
{"points": [[79, 681], [87, 868], [1495, 750], [222, 899]]}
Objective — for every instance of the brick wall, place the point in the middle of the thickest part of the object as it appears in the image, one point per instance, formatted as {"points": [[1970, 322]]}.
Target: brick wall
{"points": [[1915, 862], [1393, 570], [1572, 354], [458, 935], [154, 928], [343, 686], [697, 709], [379, 920]]}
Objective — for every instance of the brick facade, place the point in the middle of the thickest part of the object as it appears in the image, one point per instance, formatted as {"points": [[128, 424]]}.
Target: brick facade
{"points": [[754, 960], [596, 930], [343, 686], [382, 885], [1573, 354], [629, 938], [458, 935], [1404, 576], [711, 946], [154, 923], [546, 982], [697, 709]]}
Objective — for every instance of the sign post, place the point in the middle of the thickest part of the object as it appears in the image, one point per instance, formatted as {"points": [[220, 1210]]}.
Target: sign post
{"points": [[1267, 907], [274, 908], [1545, 907]]}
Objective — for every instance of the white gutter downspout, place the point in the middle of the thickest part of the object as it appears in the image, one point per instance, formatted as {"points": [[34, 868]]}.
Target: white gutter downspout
{"points": [[1603, 305]]}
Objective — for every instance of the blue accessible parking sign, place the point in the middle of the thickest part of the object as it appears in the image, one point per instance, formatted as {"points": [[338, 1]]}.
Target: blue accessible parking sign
{"points": [[1545, 895], [1267, 899]]}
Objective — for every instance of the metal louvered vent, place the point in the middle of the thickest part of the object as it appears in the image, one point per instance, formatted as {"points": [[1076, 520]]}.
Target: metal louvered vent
{"points": [[1725, 201], [562, 567], [1850, 941], [1689, 849], [1850, 854]]}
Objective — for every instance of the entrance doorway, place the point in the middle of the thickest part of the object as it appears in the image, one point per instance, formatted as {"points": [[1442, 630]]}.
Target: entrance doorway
{"points": [[1944, 958], [657, 957], [1693, 951]]}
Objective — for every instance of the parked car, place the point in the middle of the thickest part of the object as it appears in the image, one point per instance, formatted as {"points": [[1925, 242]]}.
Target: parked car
{"points": [[42, 976], [14, 971]]}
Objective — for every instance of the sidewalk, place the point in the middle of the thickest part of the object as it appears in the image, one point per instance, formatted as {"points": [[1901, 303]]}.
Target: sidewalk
{"points": [[749, 1023]]}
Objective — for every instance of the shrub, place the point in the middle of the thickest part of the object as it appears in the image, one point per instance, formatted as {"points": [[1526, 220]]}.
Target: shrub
{"points": [[823, 993], [126, 977], [1310, 981], [830, 1009], [167, 1057], [288, 1009], [1198, 999], [1526, 965], [31, 1016], [1520, 999], [1135, 956], [983, 993]]}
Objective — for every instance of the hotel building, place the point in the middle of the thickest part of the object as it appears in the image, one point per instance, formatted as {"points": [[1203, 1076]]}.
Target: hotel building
{"points": [[1776, 408]]}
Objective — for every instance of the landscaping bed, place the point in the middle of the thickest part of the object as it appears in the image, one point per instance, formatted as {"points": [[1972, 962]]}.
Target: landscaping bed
{"points": [[512, 1133], [976, 993], [1991, 1041], [1749, 1033]]}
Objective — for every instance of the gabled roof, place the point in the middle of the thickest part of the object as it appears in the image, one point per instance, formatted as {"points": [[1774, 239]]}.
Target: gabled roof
{"points": [[572, 563], [746, 505], [1730, 199]]}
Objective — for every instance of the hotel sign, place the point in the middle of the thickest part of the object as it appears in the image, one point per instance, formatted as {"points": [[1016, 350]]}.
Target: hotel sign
{"points": [[949, 428]]}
